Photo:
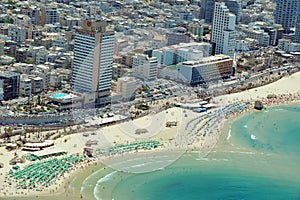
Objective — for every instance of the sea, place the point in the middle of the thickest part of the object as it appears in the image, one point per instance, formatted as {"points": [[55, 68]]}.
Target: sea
{"points": [[257, 157]]}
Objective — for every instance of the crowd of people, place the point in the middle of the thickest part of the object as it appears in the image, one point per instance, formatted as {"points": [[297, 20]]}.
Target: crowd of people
{"points": [[280, 99], [203, 125]]}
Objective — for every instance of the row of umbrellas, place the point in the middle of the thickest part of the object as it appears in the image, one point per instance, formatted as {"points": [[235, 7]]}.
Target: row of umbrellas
{"points": [[128, 147]]}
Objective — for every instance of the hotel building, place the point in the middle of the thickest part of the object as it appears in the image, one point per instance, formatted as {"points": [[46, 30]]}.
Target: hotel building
{"points": [[93, 58]]}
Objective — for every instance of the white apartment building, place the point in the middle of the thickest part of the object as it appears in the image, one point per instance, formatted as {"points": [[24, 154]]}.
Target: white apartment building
{"points": [[182, 52], [242, 45], [40, 56], [54, 80], [22, 20], [16, 33], [223, 31], [185, 54], [288, 45], [36, 85], [49, 15], [144, 67], [25, 85], [60, 42], [93, 58], [126, 87], [262, 37], [165, 56]]}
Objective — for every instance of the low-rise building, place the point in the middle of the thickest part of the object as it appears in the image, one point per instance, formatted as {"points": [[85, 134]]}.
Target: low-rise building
{"points": [[36, 85], [11, 85], [144, 67], [262, 37], [16, 33], [126, 86], [202, 71], [242, 45], [288, 46], [182, 52], [2, 44], [25, 85]]}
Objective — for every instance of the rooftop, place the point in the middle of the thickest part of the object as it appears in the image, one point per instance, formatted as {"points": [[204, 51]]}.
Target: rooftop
{"points": [[7, 74], [206, 60]]}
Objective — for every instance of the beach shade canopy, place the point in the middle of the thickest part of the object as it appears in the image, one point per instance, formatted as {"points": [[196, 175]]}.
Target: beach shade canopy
{"points": [[200, 109], [271, 96], [16, 167], [210, 105]]}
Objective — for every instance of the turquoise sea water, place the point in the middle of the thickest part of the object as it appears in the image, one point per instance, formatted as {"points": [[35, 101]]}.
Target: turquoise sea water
{"points": [[261, 160]]}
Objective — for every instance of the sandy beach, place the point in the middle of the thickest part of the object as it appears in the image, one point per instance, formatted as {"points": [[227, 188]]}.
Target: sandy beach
{"points": [[155, 124], [285, 85]]}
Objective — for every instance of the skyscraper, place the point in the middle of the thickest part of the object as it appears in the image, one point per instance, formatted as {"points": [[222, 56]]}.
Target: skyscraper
{"points": [[235, 7], [223, 30], [286, 14], [93, 57], [208, 10], [297, 33]]}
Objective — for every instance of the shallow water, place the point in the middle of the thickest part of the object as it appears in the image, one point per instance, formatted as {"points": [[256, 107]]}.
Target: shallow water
{"points": [[260, 160]]}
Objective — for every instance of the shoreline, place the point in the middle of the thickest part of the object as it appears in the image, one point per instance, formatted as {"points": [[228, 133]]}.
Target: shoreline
{"points": [[221, 131], [96, 165]]}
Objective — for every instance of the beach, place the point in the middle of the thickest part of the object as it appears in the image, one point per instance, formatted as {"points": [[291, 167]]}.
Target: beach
{"points": [[285, 85], [172, 138]]}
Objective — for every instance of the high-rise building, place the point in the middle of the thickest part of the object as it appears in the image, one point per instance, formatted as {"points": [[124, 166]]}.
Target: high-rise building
{"points": [[93, 58], [297, 32], [223, 31], [235, 7], [208, 10], [286, 14]]}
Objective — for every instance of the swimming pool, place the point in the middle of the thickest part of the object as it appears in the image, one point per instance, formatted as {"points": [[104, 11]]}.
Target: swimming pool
{"points": [[59, 96]]}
